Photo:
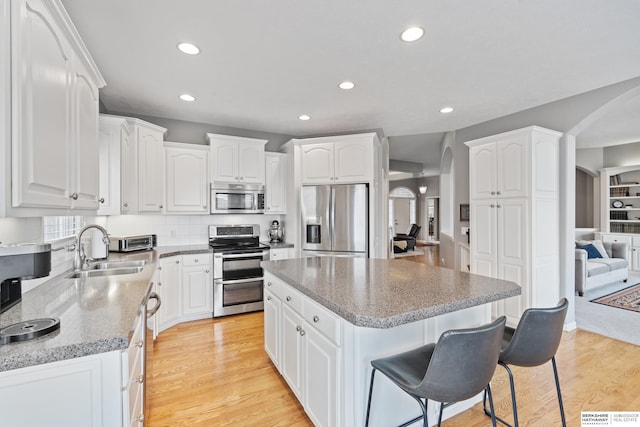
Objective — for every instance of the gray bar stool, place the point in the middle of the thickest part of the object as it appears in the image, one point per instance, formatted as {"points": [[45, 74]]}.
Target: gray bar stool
{"points": [[458, 367], [534, 342]]}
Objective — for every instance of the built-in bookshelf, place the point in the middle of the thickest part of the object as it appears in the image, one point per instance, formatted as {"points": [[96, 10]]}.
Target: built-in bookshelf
{"points": [[621, 199]]}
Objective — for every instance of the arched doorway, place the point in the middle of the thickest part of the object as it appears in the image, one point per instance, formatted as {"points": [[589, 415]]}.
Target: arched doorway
{"points": [[402, 209]]}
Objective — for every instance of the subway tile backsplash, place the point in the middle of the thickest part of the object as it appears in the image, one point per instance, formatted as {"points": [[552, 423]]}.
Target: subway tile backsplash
{"points": [[182, 229]]}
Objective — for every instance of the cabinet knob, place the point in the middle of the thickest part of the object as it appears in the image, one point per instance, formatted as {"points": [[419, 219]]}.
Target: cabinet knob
{"points": [[316, 319], [126, 205], [74, 196], [498, 193], [160, 206], [493, 206], [101, 200], [195, 260], [268, 298], [140, 379], [498, 206], [159, 283], [493, 193], [288, 298], [298, 328], [207, 271], [177, 261], [268, 283], [302, 332], [139, 344], [140, 418]]}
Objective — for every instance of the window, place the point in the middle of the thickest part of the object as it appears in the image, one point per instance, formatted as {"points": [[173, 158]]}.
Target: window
{"points": [[61, 227]]}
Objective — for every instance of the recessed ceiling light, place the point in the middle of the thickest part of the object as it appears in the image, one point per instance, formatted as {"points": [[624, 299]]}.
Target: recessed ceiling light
{"points": [[304, 117], [446, 110], [187, 97], [412, 34], [347, 85], [189, 49]]}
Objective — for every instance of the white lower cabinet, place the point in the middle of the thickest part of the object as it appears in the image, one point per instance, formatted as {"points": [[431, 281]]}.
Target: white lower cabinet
{"points": [[321, 378], [197, 287], [168, 289], [272, 310], [185, 286], [100, 390], [292, 350], [79, 392], [133, 377], [306, 341], [280, 253]]}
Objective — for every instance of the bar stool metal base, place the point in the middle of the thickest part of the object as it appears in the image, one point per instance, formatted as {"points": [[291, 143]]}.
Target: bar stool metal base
{"points": [[513, 397], [423, 407]]}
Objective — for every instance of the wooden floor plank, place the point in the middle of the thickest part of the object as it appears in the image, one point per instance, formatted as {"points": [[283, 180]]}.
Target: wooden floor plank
{"points": [[215, 372]]}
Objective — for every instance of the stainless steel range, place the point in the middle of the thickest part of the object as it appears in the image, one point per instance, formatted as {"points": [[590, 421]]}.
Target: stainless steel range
{"points": [[237, 275]]}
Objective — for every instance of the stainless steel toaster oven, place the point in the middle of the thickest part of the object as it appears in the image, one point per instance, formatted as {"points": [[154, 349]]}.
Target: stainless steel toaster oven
{"points": [[132, 243]]}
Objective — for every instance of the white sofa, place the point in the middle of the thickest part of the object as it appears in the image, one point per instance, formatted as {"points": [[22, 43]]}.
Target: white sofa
{"points": [[592, 272]]}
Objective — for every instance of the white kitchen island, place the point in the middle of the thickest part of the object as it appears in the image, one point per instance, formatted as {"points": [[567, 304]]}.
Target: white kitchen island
{"points": [[326, 318]]}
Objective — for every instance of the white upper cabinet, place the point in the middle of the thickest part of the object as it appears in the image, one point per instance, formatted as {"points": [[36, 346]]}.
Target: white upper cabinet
{"points": [[148, 140], [54, 121], [341, 159], [276, 183], [237, 160], [499, 169], [187, 178], [114, 141]]}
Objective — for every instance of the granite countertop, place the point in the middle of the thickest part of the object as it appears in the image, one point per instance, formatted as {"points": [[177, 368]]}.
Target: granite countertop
{"points": [[278, 245], [380, 293], [168, 251], [96, 314]]}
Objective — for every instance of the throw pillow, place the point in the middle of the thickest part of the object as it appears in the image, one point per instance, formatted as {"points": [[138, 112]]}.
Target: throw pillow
{"points": [[592, 252], [598, 245]]}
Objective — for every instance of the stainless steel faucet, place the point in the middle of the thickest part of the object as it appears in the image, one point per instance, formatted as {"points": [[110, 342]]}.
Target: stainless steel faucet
{"points": [[80, 260]]}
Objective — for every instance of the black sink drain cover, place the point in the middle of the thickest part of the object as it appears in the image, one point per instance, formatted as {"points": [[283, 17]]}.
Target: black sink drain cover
{"points": [[28, 329]]}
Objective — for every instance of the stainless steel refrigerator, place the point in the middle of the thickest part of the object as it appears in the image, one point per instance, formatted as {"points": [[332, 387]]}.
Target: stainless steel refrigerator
{"points": [[335, 220]]}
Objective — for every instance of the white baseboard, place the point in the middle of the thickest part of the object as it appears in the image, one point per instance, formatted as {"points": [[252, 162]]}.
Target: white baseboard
{"points": [[570, 326]]}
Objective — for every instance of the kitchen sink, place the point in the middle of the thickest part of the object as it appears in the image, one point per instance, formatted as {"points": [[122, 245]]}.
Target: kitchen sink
{"points": [[107, 265], [105, 272]]}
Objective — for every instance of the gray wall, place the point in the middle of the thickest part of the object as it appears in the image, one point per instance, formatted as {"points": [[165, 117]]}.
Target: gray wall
{"points": [[622, 155], [196, 133], [591, 159], [584, 200]]}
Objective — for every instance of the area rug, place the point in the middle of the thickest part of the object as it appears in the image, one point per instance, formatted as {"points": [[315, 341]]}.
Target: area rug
{"points": [[628, 298], [416, 251]]}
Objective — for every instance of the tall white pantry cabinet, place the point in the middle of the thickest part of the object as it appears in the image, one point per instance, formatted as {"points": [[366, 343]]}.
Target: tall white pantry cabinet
{"points": [[514, 215]]}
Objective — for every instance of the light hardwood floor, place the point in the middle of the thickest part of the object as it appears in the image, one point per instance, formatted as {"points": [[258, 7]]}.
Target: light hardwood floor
{"points": [[215, 372]]}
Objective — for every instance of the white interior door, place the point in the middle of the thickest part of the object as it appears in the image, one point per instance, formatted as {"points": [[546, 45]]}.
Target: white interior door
{"points": [[402, 215]]}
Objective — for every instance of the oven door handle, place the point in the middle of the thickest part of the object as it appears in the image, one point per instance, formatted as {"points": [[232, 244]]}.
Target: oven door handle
{"points": [[154, 309], [233, 282], [243, 255]]}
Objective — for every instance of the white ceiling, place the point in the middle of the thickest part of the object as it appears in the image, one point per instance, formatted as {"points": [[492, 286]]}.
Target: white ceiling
{"points": [[263, 63]]}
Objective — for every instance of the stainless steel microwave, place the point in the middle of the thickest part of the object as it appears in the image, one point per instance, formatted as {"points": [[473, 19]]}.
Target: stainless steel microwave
{"points": [[237, 198]]}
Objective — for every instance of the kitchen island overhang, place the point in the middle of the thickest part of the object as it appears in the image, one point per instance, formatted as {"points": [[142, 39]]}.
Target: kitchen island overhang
{"points": [[328, 317]]}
